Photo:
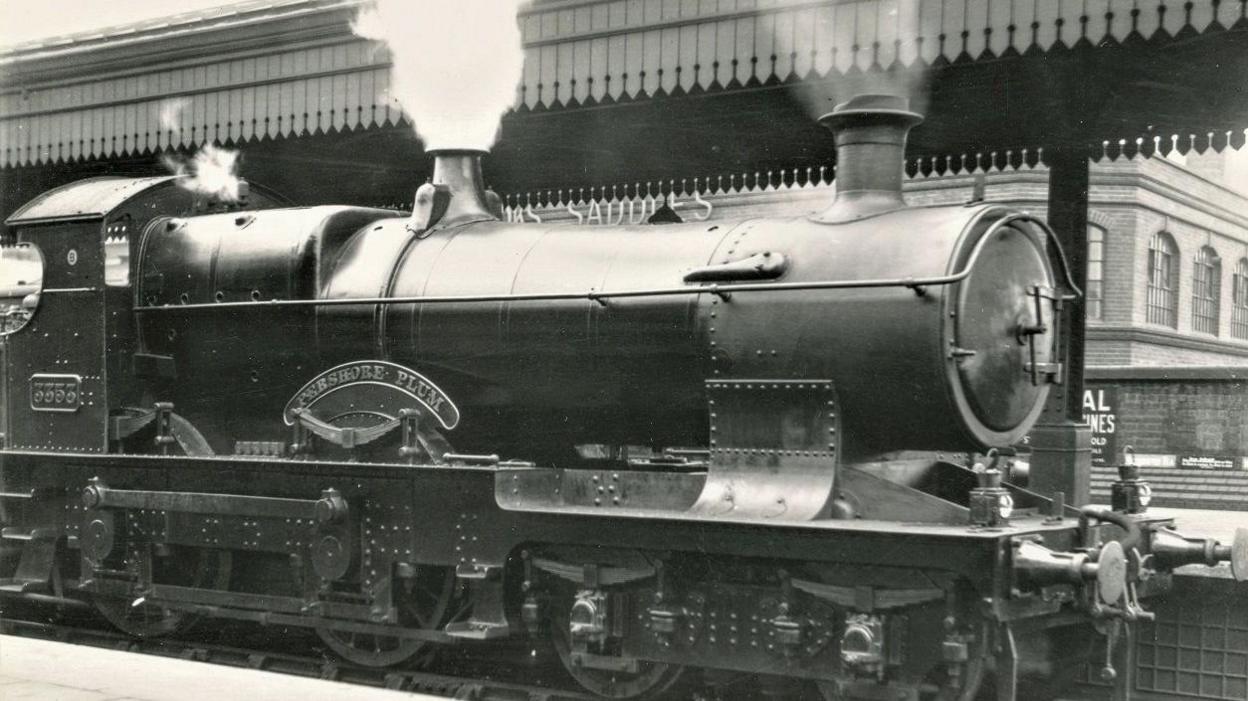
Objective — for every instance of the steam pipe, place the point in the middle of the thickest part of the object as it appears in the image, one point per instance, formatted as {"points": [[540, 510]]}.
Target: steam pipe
{"points": [[1126, 523]]}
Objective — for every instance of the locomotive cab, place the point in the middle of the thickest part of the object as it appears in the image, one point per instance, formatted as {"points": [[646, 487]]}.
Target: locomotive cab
{"points": [[69, 364]]}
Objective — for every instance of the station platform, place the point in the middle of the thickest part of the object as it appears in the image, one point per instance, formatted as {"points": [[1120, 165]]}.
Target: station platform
{"points": [[32, 669], [1205, 523]]}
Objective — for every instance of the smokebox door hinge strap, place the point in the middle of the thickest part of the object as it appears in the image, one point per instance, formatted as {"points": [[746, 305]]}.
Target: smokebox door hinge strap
{"points": [[1050, 372]]}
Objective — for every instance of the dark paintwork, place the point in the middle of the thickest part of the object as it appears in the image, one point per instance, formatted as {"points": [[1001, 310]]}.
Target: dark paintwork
{"points": [[324, 539], [536, 377]]}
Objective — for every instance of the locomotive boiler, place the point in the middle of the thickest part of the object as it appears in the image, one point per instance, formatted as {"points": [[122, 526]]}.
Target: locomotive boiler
{"points": [[412, 430], [553, 336]]}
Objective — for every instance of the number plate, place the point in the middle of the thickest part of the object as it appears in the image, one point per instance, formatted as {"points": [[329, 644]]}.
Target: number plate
{"points": [[55, 392]]}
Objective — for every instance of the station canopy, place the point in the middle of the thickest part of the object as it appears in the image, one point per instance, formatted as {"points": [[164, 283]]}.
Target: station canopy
{"points": [[628, 90]]}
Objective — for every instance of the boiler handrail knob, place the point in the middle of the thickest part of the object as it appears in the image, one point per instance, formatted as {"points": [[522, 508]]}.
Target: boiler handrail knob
{"points": [[93, 495]]}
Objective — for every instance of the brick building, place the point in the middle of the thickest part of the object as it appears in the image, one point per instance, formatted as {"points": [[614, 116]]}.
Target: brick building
{"points": [[1167, 327]]}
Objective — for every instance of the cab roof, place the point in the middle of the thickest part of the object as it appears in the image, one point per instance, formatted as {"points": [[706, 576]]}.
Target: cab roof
{"points": [[84, 199], [94, 198]]}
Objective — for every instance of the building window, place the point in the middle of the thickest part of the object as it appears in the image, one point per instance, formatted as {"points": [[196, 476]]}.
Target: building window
{"points": [[1163, 280], [1096, 272], [1206, 289], [1239, 300]]}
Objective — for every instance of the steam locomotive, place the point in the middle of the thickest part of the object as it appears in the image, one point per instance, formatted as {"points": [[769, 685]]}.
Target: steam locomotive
{"points": [[774, 448]]}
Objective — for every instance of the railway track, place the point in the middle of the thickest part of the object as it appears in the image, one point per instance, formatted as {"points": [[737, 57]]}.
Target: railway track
{"points": [[466, 678]]}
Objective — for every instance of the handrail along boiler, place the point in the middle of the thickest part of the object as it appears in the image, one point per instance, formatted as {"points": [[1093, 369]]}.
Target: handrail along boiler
{"points": [[293, 416]]}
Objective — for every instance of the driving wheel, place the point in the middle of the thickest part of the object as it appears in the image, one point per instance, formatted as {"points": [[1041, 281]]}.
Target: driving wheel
{"points": [[426, 602], [189, 567], [648, 680]]}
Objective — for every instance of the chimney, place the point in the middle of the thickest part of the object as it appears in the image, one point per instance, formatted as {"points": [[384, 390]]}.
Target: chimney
{"points": [[455, 193], [870, 156]]}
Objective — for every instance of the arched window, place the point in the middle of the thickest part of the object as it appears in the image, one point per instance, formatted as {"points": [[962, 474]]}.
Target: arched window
{"points": [[1163, 280], [1096, 272], [1239, 300], [1206, 290]]}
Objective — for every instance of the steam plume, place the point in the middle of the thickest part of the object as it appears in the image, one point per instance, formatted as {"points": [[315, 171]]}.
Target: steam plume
{"points": [[212, 170], [856, 71], [171, 113], [456, 64]]}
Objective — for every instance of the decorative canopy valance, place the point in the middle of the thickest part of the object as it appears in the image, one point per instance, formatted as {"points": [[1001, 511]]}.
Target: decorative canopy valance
{"points": [[289, 68]]}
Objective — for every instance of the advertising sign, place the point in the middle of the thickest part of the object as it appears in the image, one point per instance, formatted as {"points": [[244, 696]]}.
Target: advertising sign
{"points": [[1100, 412], [1206, 462]]}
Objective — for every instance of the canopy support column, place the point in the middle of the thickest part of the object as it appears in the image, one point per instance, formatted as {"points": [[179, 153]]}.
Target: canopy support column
{"points": [[1061, 441]]}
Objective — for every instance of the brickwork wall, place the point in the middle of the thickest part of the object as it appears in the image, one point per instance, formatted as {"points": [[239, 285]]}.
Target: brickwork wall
{"points": [[1202, 214], [1119, 288], [1196, 417], [1210, 165], [1219, 490], [1165, 419], [1149, 354], [1108, 353]]}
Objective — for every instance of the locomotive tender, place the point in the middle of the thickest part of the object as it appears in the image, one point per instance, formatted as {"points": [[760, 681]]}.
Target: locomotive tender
{"points": [[294, 416]]}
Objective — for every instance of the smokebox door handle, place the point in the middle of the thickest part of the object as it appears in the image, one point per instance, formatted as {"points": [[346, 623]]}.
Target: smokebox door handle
{"points": [[768, 265]]}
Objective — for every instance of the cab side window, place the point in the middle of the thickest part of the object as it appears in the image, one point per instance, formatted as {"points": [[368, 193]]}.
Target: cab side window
{"points": [[21, 279]]}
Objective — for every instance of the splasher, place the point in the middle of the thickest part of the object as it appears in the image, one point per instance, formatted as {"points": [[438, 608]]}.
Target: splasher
{"points": [[211, 172], [455, 65]]}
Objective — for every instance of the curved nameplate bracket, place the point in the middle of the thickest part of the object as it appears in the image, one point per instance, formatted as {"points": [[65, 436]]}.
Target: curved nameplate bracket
{"points": [[371, 386]]}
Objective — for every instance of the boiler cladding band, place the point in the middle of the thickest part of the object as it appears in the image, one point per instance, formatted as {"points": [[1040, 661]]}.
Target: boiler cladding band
{"points": [[915, 284]]}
